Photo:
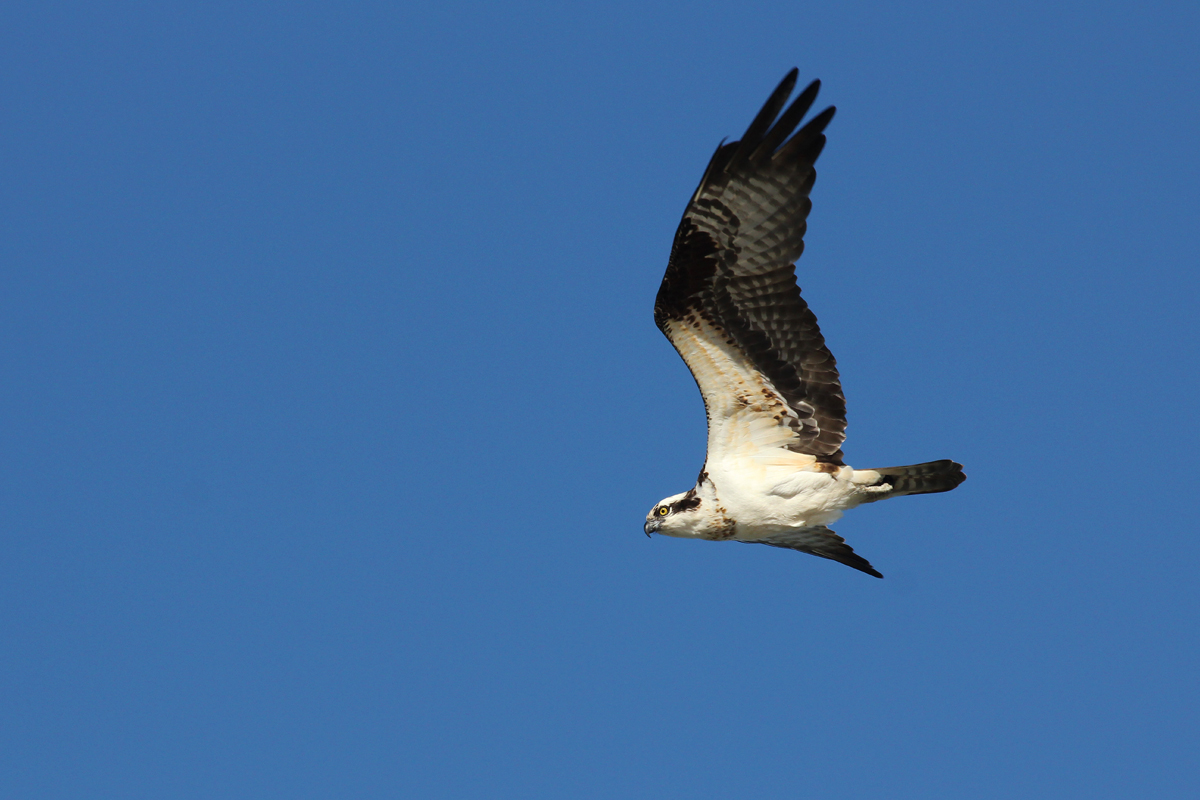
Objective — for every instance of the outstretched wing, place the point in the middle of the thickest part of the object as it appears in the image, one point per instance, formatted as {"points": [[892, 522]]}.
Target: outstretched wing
{"points": [[729, 302], [818, 540]]}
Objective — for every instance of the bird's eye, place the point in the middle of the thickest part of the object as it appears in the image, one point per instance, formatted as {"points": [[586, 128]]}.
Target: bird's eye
{"points": [[663, 511]]}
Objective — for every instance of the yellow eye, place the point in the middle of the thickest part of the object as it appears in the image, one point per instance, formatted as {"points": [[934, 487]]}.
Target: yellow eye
{"points": [[663, 511]]}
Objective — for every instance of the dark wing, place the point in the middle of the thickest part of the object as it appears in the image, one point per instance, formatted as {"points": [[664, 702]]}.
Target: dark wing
{"points": [[731, 277], [820, 541]]}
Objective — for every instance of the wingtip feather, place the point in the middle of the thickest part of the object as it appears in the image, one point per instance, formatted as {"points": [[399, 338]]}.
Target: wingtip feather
{"points": [[761, 124]]}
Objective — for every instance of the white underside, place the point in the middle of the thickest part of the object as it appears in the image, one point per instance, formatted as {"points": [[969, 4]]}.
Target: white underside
{"points": [[763, 500]]}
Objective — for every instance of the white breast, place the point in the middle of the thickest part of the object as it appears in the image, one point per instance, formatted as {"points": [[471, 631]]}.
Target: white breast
{"points": [[764, 499]]}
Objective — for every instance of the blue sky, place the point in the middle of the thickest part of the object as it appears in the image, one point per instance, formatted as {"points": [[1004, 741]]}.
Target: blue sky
{"points": [[332, 404]]}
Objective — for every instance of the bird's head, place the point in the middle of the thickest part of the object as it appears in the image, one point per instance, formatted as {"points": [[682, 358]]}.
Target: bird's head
{"points": [[674, 516]]}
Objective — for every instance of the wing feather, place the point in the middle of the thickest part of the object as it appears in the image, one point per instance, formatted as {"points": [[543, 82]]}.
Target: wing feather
{"points": [[820, 541], [731, 278]]}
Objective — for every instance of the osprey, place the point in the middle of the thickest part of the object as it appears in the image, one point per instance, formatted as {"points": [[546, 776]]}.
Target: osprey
{"points": [[729, 303]]}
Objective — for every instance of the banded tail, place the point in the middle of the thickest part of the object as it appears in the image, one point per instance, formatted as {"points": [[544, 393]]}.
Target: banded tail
{"points": [[927, 478]]}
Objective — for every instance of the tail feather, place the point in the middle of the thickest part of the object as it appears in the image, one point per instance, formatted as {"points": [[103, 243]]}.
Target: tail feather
{"points": [[927, 478]]}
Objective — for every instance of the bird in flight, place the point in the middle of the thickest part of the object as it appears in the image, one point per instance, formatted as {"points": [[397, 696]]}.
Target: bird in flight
{"points": [[729, 303]]}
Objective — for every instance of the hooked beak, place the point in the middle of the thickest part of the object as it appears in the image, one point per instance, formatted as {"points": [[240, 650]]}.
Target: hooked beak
{"points": [[650, 527]]}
